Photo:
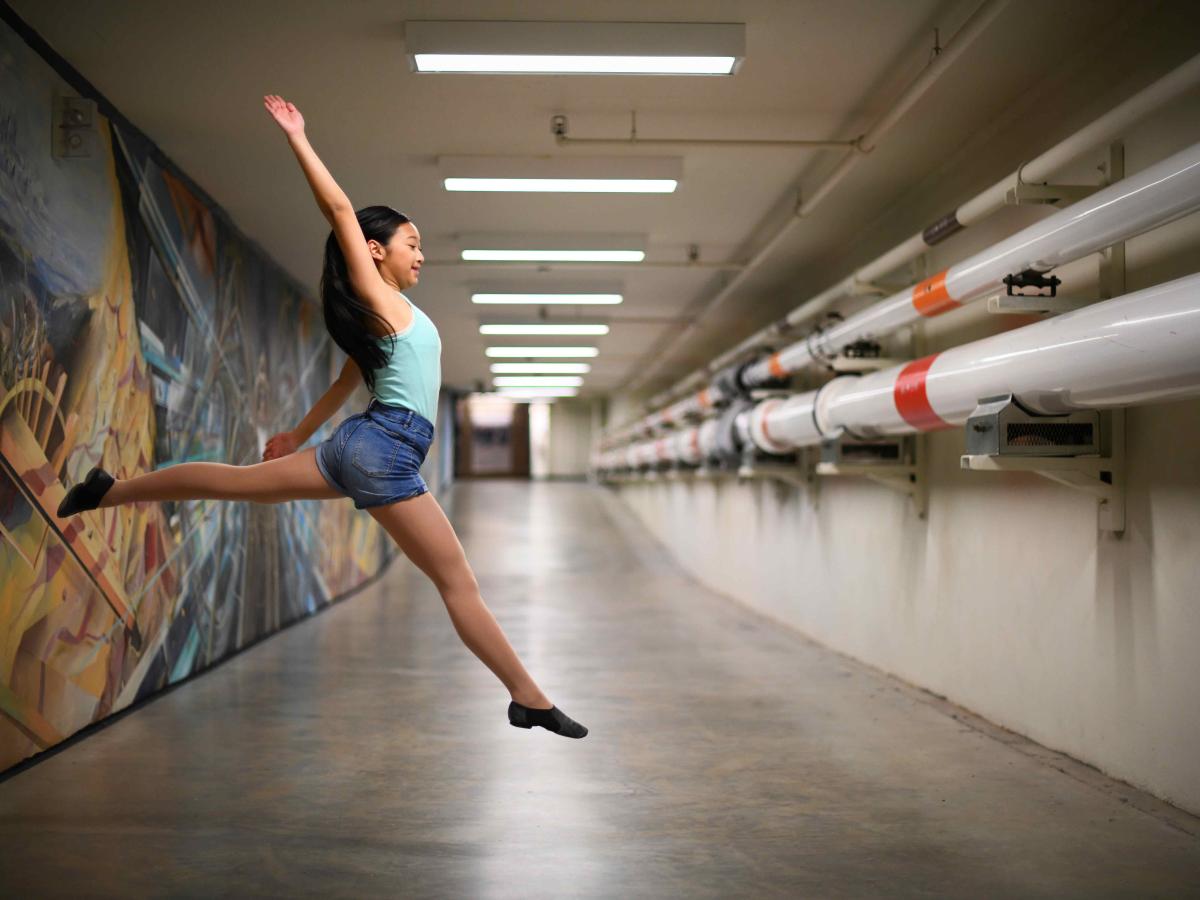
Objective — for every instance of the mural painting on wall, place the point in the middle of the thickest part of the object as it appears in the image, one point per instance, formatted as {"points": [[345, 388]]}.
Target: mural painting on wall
{"points": [[139, 332]]}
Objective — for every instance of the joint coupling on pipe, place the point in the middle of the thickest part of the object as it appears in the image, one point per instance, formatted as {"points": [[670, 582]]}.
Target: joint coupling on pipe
{"points": [[826, 395], [729, 444], [728, 383]]}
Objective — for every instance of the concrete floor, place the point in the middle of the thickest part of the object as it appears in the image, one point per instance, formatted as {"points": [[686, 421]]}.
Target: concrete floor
{"points": [[365, 753]]}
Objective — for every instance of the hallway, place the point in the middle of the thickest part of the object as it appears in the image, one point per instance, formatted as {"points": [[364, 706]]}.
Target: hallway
{"points": [[364, 752]]}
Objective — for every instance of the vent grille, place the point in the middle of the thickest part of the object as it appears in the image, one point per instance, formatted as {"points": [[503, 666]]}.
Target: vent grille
{"points": [[876, 452], [1050, 434]]}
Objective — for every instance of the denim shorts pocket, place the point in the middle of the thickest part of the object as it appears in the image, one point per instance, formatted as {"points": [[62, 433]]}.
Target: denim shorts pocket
{"points": [[373, 451]]}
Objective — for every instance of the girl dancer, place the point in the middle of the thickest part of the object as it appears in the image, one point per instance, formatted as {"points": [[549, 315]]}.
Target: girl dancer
{"points": [[371, 256]]}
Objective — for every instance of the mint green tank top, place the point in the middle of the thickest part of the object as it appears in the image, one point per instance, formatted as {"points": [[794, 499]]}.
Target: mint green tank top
{"points": [[412, 375]]}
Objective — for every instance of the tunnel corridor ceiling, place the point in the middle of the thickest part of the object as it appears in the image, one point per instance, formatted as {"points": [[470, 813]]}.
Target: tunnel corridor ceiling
{"points": [[192, 75]]}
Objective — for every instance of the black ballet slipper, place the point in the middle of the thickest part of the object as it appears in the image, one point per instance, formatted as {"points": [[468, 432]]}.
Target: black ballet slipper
{"points": [[552, 719], [87, 494]]}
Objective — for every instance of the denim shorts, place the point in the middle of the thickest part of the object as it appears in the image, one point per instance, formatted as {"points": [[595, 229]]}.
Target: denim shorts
{"points": [[375, 456]]}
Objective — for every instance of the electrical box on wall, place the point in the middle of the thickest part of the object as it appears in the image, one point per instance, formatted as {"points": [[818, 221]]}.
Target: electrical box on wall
{"points": [[74, 127], [849, 450], [1000, 426]]}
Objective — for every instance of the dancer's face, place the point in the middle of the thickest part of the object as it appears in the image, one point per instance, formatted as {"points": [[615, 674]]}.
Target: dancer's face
{"points": [[402, 257]]}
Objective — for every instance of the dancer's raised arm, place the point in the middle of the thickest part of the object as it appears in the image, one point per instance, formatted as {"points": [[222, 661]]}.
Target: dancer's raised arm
{"points": [[334, 205]]}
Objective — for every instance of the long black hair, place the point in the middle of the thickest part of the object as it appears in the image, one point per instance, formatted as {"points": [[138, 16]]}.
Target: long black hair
{"points": [[346, 316]]}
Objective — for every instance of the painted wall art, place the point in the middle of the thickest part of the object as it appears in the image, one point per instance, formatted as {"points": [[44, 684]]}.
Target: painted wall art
{"points": [[140, 330]]}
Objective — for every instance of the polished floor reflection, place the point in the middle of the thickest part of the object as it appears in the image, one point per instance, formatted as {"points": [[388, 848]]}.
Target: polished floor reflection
{"points": [[365, 753]]}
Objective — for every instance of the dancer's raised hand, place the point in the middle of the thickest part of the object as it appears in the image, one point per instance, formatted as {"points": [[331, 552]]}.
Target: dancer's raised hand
{"points": [[280, 445], [284, 113]]}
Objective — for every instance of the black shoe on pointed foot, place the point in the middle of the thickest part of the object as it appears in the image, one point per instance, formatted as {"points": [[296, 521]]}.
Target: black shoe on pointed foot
{"points": [[552, 719], [87, 494]]}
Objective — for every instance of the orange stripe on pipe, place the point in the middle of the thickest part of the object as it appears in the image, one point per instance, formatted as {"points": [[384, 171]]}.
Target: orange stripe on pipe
{"points": [[930, 298], [702, 399], [775, 367], [763, 422], [911, 399]]}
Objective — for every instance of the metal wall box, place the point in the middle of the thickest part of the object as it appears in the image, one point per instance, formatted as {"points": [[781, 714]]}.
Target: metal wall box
{"points": [[845, 450], [1000, 426]]}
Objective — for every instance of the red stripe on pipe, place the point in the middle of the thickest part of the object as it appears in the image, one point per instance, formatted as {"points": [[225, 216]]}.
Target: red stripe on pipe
{"points": [[911, 400], [930, 297], [775, 367]]}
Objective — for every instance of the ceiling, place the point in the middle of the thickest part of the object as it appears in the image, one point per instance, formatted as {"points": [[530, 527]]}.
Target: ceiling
{"points": [[191, 75]]}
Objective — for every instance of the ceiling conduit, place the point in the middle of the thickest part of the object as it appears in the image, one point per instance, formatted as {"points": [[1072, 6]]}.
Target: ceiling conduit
{"points": [[970, 31], [1107, 127]]}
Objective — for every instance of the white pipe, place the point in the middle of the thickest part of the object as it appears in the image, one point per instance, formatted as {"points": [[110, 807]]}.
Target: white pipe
{"points": [[700, 403], [1138, 348], [565, 141], [663, 448], [709, 432], [1155, 196], [1109, 126], [970, 31], [1113, 123], [687, 446]]}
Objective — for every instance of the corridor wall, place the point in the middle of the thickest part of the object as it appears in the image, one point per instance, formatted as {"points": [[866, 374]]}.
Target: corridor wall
{"points": [[570, 438], [140, 329], [1006, 598]]}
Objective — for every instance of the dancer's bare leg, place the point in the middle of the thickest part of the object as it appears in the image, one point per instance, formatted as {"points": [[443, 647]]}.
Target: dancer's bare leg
{"points": [[421, 529], [291, 477]]}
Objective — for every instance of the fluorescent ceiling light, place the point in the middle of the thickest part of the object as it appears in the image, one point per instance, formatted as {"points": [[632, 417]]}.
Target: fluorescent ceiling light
{"points": [[530, 352], [576, 48], [534, 393], [534, 381], [541, 368], [565, 185], [566, 174], [499, 64], [554, 255], [552, 247], [547, 299], [543, 329]]}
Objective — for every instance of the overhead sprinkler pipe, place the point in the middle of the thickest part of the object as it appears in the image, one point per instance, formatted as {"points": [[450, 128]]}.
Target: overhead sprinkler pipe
{"points": [[1139, 348], [1106, 128], [559, 127], [1153, 197]]}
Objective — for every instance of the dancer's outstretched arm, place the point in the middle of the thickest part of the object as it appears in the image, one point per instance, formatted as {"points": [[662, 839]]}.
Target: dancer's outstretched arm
{"points": [[331, 401], [368, 284]]}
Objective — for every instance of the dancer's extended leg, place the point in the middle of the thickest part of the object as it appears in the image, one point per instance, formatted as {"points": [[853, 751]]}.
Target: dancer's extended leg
{"points": [[421, 529], [291, 477]]}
